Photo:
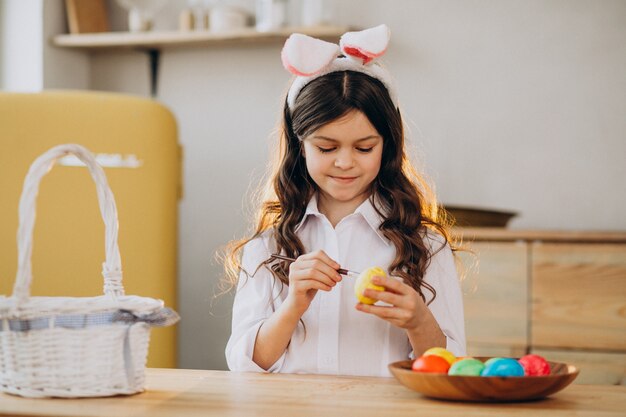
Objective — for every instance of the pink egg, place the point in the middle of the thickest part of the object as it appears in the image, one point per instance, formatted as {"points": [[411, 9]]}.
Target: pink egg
{"points": [[534, 365]]}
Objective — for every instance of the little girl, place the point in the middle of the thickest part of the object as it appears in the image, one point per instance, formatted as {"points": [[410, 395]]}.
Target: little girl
{"points": [[344, 196]]}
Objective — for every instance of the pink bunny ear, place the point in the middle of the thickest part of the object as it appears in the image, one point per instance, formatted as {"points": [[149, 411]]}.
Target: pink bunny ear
{"points": [[366, 44], [304, 56]]}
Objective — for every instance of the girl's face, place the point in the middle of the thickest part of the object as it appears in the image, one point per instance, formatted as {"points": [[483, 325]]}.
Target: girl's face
{"points": [[343, 158]]}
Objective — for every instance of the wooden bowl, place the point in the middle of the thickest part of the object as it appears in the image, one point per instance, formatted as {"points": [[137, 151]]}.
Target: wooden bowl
{"points": [[483, 388], [478, 217]]}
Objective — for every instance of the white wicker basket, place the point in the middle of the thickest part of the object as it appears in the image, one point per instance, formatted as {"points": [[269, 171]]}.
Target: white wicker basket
{"points": [[74, 346]]}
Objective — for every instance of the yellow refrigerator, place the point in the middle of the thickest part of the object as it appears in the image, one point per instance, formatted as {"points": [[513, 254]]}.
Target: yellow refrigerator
{"points": [[136, 142]]}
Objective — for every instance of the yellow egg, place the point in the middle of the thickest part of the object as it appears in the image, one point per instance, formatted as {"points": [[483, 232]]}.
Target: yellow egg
{"points": [[441, 352], [364, 281]]}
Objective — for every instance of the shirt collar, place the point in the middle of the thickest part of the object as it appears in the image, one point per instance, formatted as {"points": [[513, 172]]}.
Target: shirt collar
{"points": [[311, 210], [367, 210]]}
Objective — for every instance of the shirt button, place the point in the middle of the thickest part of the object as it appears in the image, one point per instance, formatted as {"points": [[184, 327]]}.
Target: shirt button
{"points": [[328, 360]]}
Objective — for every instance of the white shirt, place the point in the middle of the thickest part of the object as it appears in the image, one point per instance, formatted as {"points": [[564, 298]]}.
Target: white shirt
{"points": [[339, 339]]}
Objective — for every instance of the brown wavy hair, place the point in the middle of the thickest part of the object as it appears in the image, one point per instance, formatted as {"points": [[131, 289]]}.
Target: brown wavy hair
{"points": [[409, 207]]}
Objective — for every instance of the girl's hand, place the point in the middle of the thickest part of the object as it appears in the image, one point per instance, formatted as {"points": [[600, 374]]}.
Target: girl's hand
{"points": [[406, 303], [309, 273]]}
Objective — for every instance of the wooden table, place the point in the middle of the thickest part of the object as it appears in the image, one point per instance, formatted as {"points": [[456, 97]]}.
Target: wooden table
{"points": [[182, 393]]}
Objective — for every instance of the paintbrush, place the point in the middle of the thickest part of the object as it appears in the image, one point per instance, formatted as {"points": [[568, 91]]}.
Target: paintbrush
{"points": [[342, 271]]}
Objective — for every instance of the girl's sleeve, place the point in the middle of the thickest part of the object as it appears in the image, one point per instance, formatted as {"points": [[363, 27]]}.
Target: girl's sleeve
{"points": [[447, 308], [253, 304]]}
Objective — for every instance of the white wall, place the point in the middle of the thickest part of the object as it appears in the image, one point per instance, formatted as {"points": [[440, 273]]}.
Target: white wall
{"points": [[3, 36], [62, 68], [21, 45], [519, 104], [28, 61], [512, 104]]}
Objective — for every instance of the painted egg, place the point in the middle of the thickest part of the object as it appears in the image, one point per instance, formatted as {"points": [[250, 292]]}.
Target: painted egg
{"points": [[467, 367], [432, 364], [364, 281], [534, 365], [492, 360], [503, 367], [439, 351]]}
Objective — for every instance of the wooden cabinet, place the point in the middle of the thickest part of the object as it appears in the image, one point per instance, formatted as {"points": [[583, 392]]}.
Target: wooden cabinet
{"points": [[558, 294], [579, 296], [495, 290]]}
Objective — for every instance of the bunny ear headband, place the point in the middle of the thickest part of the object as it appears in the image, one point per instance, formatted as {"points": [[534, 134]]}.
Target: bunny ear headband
{"points": [[309, 58]]}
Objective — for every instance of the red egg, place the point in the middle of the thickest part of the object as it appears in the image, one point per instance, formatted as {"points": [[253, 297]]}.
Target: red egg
{"points": [[431, 363], [534, 365]]}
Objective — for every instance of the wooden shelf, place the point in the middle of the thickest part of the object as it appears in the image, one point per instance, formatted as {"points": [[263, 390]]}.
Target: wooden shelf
{"points": [[153, 42], [160, 40]]}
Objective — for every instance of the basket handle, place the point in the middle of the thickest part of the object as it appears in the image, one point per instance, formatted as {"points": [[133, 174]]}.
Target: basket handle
{"points": [[111, 268]]}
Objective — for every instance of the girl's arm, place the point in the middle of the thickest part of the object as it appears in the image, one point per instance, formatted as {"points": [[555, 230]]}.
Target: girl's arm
{"points": [[274, 335], [407, 311], [253, 305], [426, 334], [308, 274], [441, 323]]}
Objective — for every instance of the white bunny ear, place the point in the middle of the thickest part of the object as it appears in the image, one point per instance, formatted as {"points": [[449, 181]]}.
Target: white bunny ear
{"points": [[366, 44], [304, 56]]}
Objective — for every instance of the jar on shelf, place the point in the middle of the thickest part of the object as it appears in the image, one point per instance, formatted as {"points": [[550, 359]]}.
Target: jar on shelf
{"points": [[270, 14]]}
